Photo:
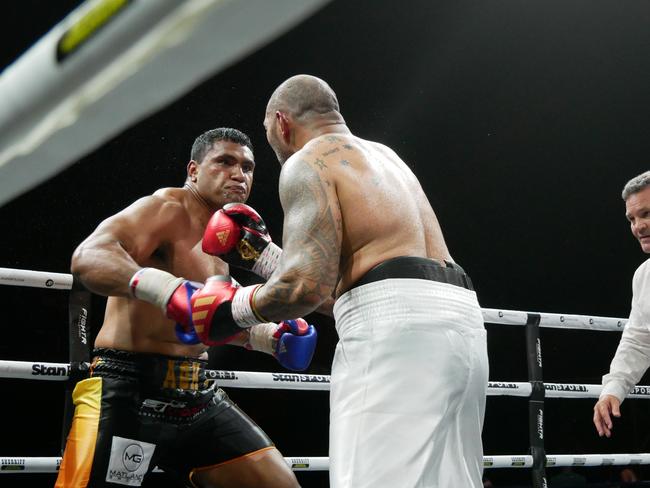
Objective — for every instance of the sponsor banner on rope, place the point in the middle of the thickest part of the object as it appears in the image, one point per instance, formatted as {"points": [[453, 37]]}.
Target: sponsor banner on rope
{"points": [[12, 464], [222, 375], [640, 390], [502, 385], [39, 369], [129, 461], [517, 461], [299, 463], [579, 461], [300, 378], [566, 387]]}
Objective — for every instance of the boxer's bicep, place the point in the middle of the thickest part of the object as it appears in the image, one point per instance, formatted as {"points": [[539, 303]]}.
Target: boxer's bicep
{"points": [[139, 229], [120, 244], [308, 270]]}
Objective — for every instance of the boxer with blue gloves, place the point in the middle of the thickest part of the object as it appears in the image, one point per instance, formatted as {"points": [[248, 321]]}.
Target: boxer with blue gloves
{"points": [[291, 342]]}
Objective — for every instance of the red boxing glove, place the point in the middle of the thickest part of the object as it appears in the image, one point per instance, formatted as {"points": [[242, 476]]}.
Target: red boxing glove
{"points": [[238, 235], [221, 310]]}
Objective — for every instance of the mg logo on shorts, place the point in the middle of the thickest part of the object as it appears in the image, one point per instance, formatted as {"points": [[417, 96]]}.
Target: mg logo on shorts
{"points": [[132, 457], [129, 461]]}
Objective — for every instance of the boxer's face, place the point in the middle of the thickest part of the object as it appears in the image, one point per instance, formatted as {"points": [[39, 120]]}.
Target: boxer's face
{"points": [[637, 211], [225, 174]]}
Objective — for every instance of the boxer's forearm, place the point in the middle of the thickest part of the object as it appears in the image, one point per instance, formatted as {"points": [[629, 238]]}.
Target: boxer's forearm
{"points": [[287, 297]]}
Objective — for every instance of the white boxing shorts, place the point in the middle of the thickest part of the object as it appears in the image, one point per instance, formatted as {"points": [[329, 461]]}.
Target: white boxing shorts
{"points": [[408, 386]]}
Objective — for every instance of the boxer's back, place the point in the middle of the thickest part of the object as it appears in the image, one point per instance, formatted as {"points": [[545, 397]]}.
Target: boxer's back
{"points": [[385, 212]]}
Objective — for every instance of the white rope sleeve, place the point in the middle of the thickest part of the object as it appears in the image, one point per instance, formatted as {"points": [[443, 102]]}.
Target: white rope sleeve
{"points": [[554, 320], [19, 277], [315, 382], [16, 465], [34, 371], [36, 279]]}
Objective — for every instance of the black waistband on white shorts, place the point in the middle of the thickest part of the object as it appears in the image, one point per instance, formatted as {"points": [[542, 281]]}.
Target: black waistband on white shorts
{"points": [[417, 268]]}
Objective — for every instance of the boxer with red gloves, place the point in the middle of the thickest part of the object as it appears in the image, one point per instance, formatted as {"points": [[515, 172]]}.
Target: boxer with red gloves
{"points": [[221, 310], [291, 342], [172, 295], [238, 235], [146, 380]]}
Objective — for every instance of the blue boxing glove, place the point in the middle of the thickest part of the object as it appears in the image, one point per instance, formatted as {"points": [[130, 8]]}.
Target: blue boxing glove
{"points": [[185, 332], [172, 295], [296, 342], [291, 342]]}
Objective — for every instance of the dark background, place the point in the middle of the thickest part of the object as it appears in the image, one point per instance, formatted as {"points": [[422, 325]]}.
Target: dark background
{"points": [[523, 121]]}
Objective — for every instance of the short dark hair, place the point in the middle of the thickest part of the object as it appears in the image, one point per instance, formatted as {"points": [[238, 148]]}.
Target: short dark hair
{"points": [[204, 142]]}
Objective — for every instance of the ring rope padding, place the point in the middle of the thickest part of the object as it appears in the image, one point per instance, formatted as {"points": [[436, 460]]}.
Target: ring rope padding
{"points": [[16, 465], [60, 281]]}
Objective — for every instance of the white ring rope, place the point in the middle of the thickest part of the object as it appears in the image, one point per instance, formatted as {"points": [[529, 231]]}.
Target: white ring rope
{"points": [[41, 279], [37, 279], [15, 465], [314, 382], [293, 381]]}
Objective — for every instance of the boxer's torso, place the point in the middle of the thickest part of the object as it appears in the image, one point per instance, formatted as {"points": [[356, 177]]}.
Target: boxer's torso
{"points": [[138, 326]]}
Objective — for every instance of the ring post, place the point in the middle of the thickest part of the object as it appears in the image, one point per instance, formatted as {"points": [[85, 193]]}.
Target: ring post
{"points": [[78, 340], [536, 401]]}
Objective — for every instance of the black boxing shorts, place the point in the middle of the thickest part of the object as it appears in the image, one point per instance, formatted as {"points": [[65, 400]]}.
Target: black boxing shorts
{"points": [[138, 411]]}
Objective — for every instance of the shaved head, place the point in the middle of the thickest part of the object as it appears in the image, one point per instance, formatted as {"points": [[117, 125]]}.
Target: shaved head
{"points": [[303, 96], [301, 108]]}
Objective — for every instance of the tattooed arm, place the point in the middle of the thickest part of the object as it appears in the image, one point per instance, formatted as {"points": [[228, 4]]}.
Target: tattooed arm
{"points": [[308, 270]]}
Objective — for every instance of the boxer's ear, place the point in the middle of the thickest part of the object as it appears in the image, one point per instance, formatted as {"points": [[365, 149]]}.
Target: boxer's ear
{"points": [[192, 170], [284, 124]]}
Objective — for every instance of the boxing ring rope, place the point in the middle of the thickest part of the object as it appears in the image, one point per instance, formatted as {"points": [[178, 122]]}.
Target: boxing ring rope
{"points": [[535, 389], [61, 281], [13, 465], [27, 370]]}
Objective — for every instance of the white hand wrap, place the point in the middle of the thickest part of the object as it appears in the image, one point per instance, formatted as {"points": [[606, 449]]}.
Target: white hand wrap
{"points": [[268, 261], [154, 286], [261, 338], [242, 307]]}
